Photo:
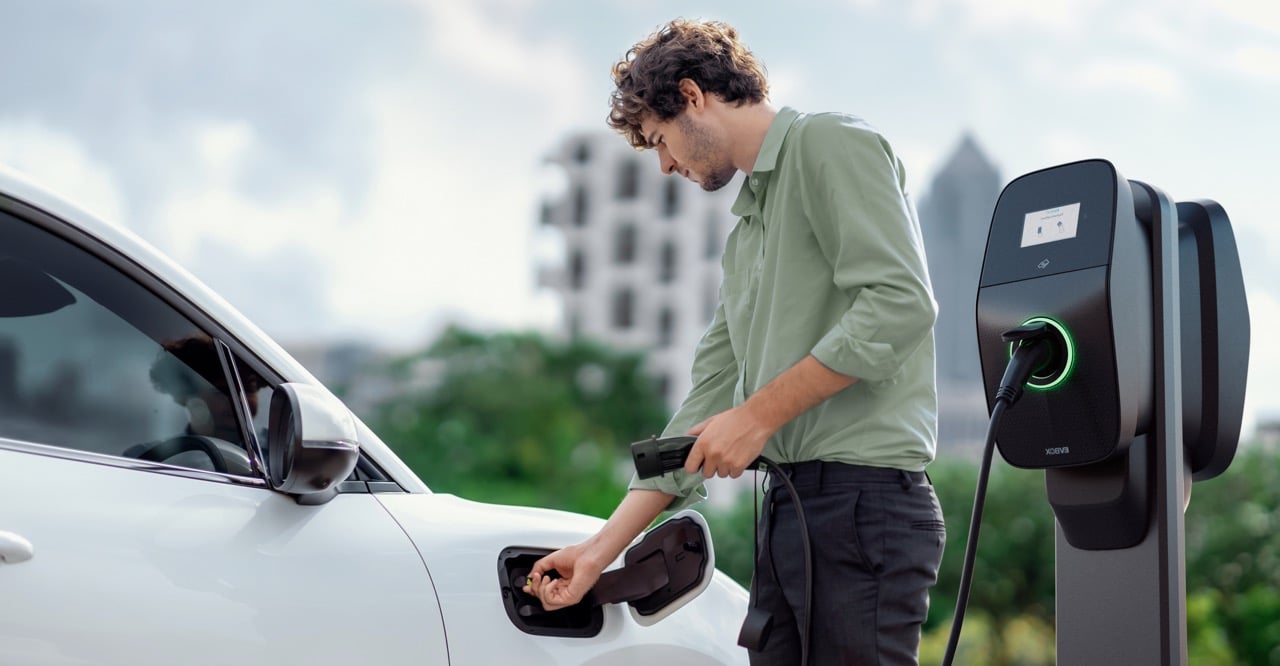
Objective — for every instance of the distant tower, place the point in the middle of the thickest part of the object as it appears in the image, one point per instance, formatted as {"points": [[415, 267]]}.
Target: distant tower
{"points": [[641, 261], [955, 217]]}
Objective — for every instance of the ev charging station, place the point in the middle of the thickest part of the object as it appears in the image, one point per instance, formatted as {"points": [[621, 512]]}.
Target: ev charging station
{"points": [[1141, 303]]}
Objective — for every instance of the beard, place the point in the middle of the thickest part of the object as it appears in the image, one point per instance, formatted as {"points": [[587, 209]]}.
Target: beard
{"points": [[707, 156]]}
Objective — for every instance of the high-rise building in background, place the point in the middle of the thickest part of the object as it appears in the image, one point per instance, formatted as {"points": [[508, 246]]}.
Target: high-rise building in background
{"points": [[955, 216], [641, 259], [641, 264]]}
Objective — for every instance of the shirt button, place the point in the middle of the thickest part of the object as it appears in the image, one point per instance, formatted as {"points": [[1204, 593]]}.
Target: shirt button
{"points": [[755, 182]]}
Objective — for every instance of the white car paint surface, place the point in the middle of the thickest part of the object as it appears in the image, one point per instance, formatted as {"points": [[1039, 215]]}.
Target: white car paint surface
{"points": [[108, 557]]}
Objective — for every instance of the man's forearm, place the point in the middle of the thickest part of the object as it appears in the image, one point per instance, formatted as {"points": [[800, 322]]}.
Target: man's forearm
{"points": [[796, 391], [634, 513]]}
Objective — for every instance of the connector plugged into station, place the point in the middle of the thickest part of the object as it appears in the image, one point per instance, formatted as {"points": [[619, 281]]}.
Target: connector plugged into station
{"points": [[1057, 368]]}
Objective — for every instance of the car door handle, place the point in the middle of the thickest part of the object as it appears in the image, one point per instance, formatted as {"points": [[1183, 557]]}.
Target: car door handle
{"points": [[14, 549]]}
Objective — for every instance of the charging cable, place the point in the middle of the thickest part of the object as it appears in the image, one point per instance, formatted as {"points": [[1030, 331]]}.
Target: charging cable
{"points": [[656, 456], [1032, 351]]}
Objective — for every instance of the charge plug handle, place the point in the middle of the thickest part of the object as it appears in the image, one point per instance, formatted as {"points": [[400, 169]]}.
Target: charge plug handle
{"points": [[1025, 332], [1032, 352]]}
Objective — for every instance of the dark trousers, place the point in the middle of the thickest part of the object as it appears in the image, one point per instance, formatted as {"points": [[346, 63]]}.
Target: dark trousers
{"points": [[876, 537]]}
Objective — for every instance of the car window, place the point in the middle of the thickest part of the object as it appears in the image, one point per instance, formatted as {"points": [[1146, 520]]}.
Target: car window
{"points": [[92, 360]]}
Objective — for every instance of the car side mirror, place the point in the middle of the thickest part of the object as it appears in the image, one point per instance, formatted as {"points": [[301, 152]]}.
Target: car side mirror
{"points": [[311, 443]]}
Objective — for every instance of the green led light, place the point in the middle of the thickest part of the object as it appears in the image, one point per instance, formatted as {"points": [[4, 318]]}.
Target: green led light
{"points": [[1048, 383]]}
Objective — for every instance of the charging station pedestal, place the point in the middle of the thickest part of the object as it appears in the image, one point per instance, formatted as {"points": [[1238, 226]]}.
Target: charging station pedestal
{"points": [[1125, 278], [1128, 605]]}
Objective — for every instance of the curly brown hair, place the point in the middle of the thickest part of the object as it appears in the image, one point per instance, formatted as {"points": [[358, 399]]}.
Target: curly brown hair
{"points": [[647, 79]]}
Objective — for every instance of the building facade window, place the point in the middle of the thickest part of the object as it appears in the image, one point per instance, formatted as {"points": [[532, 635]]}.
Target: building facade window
{"points": [[667, 263], [580, 201], [582, 154], [624, 244], [623, 308], [628, 179], [666, 328], [577, 269], [671, 198]]}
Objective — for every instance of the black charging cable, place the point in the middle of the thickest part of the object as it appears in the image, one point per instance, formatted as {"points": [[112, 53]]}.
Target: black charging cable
{"points": [[657, 456], [1033, 350]]}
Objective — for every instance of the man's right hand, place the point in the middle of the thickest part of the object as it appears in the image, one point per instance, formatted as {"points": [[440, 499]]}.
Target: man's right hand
{"points": [[580, 565], [578, 570]]}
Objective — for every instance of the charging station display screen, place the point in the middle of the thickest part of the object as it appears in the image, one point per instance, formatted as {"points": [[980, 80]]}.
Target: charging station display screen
{"points": [[1050, 224]]}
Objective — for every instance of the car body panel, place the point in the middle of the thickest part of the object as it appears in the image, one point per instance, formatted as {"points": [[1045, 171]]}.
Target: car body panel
{"points": [[460, 541], [136, 567], [157, 564]]}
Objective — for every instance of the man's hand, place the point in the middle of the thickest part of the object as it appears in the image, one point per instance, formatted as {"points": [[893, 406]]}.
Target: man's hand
{"points": [[727, 443], [580, 565], [731, 440], [578, 571]]}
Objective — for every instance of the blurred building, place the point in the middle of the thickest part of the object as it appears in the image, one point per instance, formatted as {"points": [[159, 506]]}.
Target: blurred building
{"points": [[640, 267], [641, 263], [955, 217]]}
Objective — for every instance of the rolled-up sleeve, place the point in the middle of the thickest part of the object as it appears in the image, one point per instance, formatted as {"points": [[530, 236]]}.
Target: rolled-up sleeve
{"points": [[715, 374], [862, 220]]}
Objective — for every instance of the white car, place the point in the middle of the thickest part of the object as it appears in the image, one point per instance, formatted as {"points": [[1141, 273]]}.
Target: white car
{"points": [[175, 489]]}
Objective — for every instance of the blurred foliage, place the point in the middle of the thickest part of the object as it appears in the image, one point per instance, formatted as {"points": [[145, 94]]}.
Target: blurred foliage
{"points": [[1232, 542], [516, 419]]}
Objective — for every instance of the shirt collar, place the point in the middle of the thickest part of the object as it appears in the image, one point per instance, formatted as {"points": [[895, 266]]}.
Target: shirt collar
{"points": [[767, 158], [746, 206]]}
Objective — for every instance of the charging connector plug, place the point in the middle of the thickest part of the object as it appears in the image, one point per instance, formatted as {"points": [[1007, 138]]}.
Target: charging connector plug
{"points": [[658, 455], [1033, 351]]}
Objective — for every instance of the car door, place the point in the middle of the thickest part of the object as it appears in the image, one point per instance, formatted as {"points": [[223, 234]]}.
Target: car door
{"points": [[136, 525]]}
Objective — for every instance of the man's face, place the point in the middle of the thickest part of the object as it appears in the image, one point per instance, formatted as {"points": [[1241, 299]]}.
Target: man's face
{"points": [[692, 148]]}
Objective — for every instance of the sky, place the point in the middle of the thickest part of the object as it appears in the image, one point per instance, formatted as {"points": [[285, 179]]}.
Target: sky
{"points": [[372, 169]]}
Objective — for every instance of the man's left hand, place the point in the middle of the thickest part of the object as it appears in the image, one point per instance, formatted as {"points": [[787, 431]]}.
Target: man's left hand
{"points": [[727, 443]]}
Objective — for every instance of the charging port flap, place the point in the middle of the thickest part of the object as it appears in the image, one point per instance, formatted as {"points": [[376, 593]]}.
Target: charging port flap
{"points": [[665, 570]]}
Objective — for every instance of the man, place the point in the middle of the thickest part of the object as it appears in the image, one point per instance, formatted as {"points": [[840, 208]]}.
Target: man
{"points": [[820, 355]]}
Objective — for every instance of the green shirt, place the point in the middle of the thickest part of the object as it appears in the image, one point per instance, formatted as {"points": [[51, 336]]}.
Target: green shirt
{"points": [[826, 259]]}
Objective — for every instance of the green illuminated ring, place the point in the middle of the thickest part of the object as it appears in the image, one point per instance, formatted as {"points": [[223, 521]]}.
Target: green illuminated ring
{"points": [[1069, 344]]}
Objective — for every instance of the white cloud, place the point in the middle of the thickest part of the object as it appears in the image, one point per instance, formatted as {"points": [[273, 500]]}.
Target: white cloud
{"points": [[218, 212], [789, 85], [1143, 77], [224, 145], [488, 42], [1062, 146], [1258, 14], [1256, 61], [1053, 16], [58, 162]]}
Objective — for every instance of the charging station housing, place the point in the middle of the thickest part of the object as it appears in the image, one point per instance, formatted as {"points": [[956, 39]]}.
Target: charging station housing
{"points": [[1065, 249], [1144, 301]]}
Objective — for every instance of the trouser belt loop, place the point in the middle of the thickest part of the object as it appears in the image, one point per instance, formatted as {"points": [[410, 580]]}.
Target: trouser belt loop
{"points": [[905, 479]]}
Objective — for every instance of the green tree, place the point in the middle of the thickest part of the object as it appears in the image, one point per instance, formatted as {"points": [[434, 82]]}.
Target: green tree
{"points": [[517, 419], [1013, 571], [1233, 556]]}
